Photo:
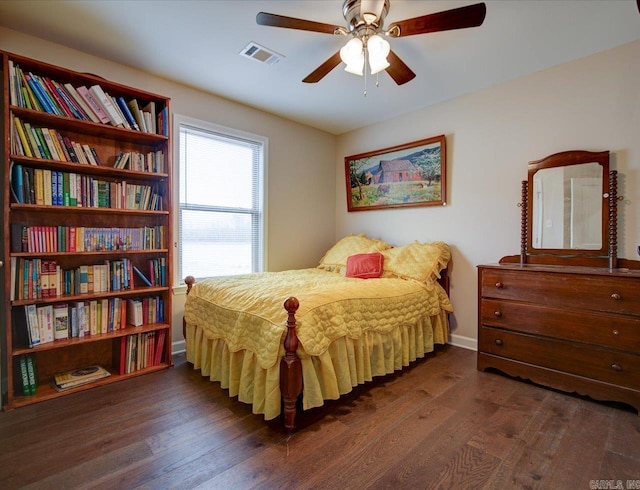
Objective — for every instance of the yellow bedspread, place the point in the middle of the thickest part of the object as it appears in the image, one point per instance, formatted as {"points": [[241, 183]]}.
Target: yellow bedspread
{"points": [[247, 311]]}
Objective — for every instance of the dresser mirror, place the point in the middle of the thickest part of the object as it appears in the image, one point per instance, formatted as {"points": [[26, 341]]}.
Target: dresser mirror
{"points": [[569, 208], [569, 211]]}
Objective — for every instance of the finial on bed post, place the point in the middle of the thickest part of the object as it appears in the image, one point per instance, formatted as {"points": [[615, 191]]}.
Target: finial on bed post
{"points": [[189, 281], [290, 366]]}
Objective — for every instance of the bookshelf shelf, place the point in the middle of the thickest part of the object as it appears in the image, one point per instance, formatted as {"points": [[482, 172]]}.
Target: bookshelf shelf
{"points": [[118, 253], [86, 197], [87, 297], [64, 343], [47, 392]]}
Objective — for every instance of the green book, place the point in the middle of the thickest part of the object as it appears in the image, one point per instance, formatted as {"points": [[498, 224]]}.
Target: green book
{"points": [[31, 372], [26, 387]]}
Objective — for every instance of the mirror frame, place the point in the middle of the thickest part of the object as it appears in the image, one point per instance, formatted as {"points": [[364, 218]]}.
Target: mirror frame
{"points": [[565, 159], [609, 209]]}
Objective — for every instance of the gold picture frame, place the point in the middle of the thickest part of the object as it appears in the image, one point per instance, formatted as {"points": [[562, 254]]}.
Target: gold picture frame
{"points": [[409, 175]]}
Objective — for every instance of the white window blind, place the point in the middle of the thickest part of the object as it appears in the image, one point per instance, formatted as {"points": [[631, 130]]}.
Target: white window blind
{"points": [[221, 217]]}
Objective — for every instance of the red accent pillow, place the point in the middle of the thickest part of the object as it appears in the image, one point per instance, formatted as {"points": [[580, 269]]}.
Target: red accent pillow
{"points": [[365, 266]]}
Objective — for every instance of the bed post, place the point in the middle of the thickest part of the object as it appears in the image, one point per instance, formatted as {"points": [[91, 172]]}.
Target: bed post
{"points": [[290, 366]]}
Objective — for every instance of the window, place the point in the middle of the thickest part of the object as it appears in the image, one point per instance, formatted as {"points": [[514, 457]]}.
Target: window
{"points": [[221, 200]]}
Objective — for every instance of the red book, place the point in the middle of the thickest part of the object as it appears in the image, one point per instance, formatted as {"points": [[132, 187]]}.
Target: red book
{"points": [[159, 346], [71, 245]]}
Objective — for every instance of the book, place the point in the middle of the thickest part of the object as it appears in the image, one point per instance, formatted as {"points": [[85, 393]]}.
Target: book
{"points": [[106, 104], [61, 321], [137, 115], [142, 276], [116, 106], [17, 184], [32, 324], [134, 312], [82, 103], [21, 332], [127, 113], [33, 141], [150, 109], [91, 101], [45, 323], [31, 373], [42, 144], [80, 376], [159, 347], [24, 376], [26, 145]]}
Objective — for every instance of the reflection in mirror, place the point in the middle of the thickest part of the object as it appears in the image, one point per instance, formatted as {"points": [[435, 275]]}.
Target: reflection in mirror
{"points": [[567, 207]]}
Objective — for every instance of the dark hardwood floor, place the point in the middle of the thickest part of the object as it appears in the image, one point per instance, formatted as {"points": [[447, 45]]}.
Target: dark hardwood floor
{"points": [[438, 424]]}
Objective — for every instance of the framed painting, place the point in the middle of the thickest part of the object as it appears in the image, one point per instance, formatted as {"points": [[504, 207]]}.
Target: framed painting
{"points": [[413, 174]]}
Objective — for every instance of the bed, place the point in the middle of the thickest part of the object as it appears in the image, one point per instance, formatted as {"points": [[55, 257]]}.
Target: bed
{"points": [[276, 339]]}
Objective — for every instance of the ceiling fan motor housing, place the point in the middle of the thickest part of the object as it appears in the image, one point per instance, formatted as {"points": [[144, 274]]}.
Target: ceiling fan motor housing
{"points": [[372, 18]]}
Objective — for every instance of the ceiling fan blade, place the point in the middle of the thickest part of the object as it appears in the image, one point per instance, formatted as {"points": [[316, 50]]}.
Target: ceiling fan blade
{"points": [[398, 70], [459, 18], [274, 20], [324, 69]]}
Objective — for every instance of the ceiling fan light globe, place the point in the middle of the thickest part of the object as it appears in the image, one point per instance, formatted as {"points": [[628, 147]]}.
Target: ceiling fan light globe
{"points": [[378, 66], [352, 55], [378, 49], [352, 51]]}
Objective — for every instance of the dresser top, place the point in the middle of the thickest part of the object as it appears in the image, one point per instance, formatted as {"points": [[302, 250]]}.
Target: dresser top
{"points": [[564, 269]]}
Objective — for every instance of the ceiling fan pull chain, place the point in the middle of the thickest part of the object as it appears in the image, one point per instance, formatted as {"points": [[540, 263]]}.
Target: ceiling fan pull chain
{"points": [[365, 72]]}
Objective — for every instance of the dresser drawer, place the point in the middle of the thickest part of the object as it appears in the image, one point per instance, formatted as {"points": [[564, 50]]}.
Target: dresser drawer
{"points": [[610, 366], [574, 291], [608, 330]]}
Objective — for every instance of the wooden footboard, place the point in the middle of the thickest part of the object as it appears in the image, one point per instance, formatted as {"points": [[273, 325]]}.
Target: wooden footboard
{"points": [[290, 365]]}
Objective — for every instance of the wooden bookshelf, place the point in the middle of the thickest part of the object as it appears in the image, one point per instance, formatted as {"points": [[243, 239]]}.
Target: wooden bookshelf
{"points": [[94, 200]]}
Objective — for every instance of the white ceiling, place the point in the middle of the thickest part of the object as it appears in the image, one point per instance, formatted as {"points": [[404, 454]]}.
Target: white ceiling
{"points": [[197, 43]]}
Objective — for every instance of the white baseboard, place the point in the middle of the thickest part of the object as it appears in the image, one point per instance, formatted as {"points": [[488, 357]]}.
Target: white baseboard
{"points": [[458, 340], [464, 342], [178, 347]]}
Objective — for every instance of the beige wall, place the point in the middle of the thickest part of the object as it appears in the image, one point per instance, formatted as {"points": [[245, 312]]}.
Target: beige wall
{"points": [[590, 104], [301, 178]]}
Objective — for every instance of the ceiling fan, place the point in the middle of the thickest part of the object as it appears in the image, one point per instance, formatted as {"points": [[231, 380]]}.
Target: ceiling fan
{"points": [[365, 25]]}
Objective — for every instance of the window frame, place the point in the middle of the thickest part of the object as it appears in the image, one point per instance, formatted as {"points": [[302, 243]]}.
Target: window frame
{"points": [[180, 121]]}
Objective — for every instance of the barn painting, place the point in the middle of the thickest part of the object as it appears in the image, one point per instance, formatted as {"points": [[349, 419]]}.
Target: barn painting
{"points": [[412, 174]]}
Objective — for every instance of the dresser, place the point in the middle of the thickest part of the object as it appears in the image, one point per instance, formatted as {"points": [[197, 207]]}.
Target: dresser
{"points": [[576, 329]]}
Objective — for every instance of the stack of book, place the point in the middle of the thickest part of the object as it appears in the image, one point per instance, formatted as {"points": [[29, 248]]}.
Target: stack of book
{"points": [[77, 377]]}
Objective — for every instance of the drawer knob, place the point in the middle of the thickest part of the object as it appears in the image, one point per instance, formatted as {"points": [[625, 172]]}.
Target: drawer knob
{"points": [[499, 285], [616, 296], [498, 314], [615, 332], [498, 341], [616, 367]]}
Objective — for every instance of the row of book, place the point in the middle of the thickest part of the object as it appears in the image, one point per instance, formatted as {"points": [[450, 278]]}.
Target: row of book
{"points": [[45, 187], [48, 239], [40, 142], [140, 351], [152, 162], [40, 324], [42, 93], [44, 279], [28, 375]]}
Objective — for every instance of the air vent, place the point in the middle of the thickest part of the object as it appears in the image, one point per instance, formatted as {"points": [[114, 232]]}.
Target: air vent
{"points": [[260, 53]]}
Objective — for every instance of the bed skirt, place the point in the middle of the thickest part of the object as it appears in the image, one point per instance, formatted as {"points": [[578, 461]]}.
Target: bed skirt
{"points": [[346, 364]]}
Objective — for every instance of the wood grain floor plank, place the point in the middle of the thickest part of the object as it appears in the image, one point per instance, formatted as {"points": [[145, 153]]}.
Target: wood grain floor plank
{"points": [[438, 424]]}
